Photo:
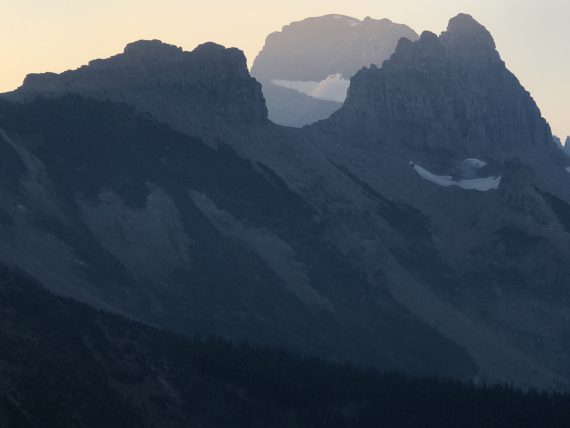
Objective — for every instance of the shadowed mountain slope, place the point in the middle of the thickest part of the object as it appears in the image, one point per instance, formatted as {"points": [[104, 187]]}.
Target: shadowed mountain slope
{"points": [[64, 364]]}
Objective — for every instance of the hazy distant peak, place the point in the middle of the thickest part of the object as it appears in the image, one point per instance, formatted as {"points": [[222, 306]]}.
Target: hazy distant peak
{"points": [[296, 63], [317, 47]]}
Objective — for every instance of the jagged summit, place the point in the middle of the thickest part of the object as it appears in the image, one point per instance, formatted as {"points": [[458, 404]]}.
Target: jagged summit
{"points": [[208, 60], [317, 47], [189, 90], [469, 41], [465, 43], [465, 28], [450, 93], [152, 48]]}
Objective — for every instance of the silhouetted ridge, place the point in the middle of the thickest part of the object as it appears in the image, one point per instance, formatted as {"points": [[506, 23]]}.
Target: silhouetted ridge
{"points": [[145, 48], [209, 85]]}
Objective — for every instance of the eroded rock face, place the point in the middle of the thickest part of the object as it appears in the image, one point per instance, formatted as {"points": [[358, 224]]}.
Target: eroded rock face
{"points": [[448, 93], [193, 90]]}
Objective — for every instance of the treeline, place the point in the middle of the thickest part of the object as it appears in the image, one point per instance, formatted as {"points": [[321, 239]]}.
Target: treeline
{"points": [[63, 364]]}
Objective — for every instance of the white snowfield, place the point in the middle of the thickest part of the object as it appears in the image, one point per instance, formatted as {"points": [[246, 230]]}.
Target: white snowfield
{"points": [[476, 163], [480, 184], [333, 88]]}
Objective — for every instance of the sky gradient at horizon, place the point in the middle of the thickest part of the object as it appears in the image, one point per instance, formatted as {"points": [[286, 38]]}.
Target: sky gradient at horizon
{"points": [[56, 35]]}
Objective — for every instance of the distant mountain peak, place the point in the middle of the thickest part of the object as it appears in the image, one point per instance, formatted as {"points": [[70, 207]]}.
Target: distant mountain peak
{"points": [[470, 41], [305, 53], [314, 48]]}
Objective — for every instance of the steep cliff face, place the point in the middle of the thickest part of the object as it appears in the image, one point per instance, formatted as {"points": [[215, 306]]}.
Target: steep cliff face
{"points": [[448, 93], [197, 90]]}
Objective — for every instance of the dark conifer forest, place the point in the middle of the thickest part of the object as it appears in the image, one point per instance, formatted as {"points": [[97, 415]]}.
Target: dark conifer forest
{"points": [[63, 364]]}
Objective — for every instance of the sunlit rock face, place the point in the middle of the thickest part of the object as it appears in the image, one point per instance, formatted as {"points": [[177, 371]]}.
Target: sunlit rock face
{"points": [[451, 93], [311, 63]]}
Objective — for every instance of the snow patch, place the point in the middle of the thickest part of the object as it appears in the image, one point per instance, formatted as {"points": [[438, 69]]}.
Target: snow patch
{"points": [[476, 163], [353, 23], [481, 184], [333, 88], [568, 169]]}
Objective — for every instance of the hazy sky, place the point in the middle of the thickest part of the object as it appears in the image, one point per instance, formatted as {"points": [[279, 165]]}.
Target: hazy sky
{"points": [[533, 37]]}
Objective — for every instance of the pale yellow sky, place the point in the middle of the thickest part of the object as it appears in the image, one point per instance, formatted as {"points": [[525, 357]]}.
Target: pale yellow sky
{"points": [[56, 35]]}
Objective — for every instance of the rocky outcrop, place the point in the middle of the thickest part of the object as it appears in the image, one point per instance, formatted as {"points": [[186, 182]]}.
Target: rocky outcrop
{"points": [[449, 93], [205, 88]]}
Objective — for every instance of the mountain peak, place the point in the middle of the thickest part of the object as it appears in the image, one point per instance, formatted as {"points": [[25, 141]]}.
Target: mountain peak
{"points": [[468, 40], [315, 48], [450, 93], [465, 26]]}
